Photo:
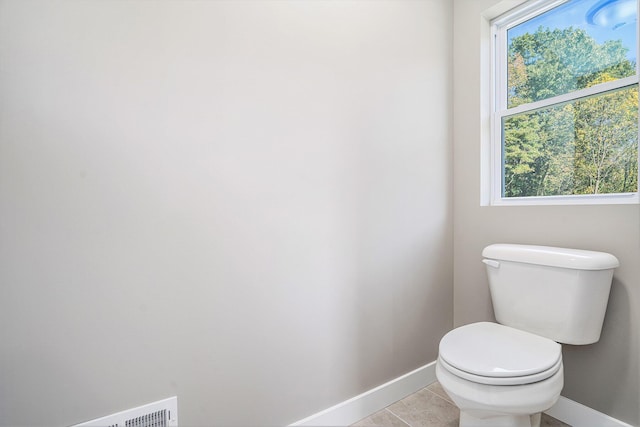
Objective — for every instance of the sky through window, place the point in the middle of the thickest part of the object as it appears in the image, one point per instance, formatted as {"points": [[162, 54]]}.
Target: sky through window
{"points": [[603, 20]]}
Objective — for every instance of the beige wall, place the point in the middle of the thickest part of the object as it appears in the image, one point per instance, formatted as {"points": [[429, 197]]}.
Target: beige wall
{"points": [[605, 375], [243, 203]]}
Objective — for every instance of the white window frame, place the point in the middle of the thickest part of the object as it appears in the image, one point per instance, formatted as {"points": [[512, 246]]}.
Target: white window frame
{"points": [[499, 110]]}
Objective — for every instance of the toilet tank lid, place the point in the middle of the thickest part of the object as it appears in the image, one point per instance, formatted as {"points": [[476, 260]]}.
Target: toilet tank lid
{"points": [[551, 256]]}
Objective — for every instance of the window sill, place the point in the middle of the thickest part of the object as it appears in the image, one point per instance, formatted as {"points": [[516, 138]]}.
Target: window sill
{"points": [[600, 199]]}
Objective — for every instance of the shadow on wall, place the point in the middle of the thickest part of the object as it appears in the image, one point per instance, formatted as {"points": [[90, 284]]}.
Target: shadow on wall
{"points": [[613, 349]]}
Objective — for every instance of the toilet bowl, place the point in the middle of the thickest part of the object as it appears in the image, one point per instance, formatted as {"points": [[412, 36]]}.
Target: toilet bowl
{"points": [[499, 376], [505, 374]]}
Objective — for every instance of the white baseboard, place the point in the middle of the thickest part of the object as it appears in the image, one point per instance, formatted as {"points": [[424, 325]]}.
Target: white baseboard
{"points": [[578, 415], [365, 404], [369, 402]]}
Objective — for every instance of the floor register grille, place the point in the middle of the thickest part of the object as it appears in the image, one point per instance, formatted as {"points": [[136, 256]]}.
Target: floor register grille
{"points": [[163, 413]]}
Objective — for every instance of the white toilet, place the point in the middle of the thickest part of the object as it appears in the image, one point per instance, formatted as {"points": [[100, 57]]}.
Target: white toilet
{"points": [[505, 374]]}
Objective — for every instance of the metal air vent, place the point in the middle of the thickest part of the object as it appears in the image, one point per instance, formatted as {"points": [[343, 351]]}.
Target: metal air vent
{"points": [[163, 413]]}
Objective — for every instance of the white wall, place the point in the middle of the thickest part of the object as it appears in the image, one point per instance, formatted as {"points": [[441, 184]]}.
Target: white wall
{"points": [[242, 203], [604, 376]]}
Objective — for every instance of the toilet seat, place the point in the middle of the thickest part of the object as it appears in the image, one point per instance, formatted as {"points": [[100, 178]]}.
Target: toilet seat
{"points": [[527, 379], [490, 353]]}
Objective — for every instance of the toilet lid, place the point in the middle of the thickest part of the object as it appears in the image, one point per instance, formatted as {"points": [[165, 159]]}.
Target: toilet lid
{"points": [[492, 350]]}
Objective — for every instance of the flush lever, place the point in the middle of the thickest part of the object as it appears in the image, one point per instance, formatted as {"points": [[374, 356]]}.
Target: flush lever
{"points": [[491, 263]]}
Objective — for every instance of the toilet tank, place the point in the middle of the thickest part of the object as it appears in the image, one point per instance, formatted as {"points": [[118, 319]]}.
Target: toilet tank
{"points": [[557, 293]]}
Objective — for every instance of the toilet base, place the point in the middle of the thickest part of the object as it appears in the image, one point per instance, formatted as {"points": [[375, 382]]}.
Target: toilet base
{"points": [[483, 405], [467, 420]]}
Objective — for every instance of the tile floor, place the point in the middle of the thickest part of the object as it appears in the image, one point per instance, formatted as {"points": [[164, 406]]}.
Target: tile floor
{"points": [[429, 407]]}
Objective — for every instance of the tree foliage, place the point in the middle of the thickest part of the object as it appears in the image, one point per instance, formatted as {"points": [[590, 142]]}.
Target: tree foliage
{"points": [[589, 146]]}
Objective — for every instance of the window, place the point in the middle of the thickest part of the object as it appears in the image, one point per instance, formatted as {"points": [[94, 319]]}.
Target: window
{"points": [[565, 103]]}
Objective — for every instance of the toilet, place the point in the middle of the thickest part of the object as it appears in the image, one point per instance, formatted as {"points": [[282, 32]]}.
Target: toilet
{"points": [[506, 374]]}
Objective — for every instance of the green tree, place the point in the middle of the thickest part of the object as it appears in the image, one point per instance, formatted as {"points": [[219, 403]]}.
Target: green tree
{"points": [[585, 147], [561, 61], [606, 135]]}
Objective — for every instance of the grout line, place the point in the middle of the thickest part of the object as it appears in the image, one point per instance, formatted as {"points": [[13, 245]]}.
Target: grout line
{"points": [[448, 399], [398, 417]]}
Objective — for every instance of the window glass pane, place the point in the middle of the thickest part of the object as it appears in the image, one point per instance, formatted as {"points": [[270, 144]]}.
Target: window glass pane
{"points": [[573, 46], [588, 146]]}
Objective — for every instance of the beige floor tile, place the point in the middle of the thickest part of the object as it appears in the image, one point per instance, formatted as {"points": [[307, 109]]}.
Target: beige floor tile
{"points": [[429, 407], [549, 421], [382, 418], [426, 409], [437, 389]]}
